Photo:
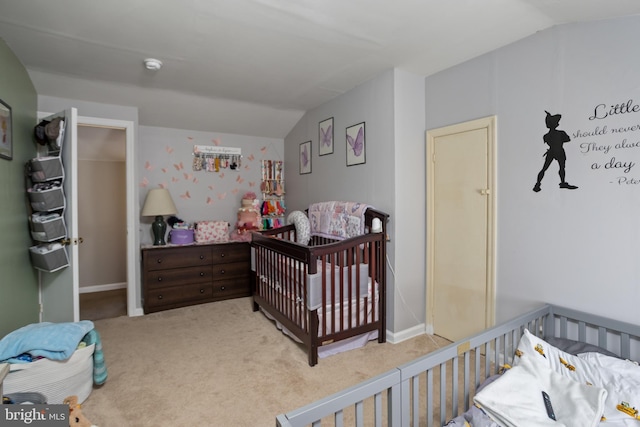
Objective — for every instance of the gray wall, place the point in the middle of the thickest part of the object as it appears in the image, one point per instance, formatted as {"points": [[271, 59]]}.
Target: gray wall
{"points": [[18, 280], [580, 247], [102, 222], [330, 178], [166, 159]]}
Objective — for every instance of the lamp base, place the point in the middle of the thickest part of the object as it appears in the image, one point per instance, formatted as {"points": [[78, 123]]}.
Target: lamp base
{"points": [[159, 228]]}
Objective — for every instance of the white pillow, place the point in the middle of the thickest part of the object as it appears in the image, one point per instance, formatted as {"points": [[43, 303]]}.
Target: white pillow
{"points": [[303, 227]]}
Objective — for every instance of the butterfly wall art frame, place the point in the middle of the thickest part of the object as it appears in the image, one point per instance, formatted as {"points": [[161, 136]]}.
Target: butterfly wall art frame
{"points": [[356, 148], [325, 137], [305, 158]]}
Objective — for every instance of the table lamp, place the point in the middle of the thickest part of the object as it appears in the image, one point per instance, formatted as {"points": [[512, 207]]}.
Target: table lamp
{"points": [[158, 203]]}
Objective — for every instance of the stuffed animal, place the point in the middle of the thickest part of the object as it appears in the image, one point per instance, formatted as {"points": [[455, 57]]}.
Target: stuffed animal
{"points": [[76, 417], [249, 218]]}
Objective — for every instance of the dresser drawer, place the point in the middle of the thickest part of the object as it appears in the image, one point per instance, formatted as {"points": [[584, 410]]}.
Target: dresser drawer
{"points": [[231, 287], [178, 294], [232, 269], [230, 252], [177, 257], [178, 276]]}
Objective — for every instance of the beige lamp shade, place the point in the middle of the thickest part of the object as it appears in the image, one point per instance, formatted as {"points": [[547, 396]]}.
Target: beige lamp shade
{"points": [[158, 202]]}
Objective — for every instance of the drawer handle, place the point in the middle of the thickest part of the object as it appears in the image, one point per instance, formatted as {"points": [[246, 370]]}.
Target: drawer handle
{"points": [[221, 271], [202, 291], [201, 256], [222, 288], [159, 260], [159, 296], [159, 279], [222, 255], [202, 274]]}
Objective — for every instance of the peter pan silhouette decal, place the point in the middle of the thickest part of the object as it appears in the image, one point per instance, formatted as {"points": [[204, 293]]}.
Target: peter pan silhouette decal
{"points": [[555, 139]]}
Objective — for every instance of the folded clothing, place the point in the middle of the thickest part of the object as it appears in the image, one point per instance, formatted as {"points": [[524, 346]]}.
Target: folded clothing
{"points": [[56, 341]]}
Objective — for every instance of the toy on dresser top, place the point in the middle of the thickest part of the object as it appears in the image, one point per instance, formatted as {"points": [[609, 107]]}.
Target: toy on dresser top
{"points": [[249, 218]]}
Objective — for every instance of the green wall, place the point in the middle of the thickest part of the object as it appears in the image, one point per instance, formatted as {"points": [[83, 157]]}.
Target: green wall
{"points": [[18, 280]]}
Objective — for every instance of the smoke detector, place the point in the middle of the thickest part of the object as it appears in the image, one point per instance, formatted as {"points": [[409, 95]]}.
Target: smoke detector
{"points": [[152, 64]]}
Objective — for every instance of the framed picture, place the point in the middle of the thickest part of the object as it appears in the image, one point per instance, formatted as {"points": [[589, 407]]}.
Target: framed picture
{"points": [[305, 157], [356, 145], [6, 142], [325, 136]]}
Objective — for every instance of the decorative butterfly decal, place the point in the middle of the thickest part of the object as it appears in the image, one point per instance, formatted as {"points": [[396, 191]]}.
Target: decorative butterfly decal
{"points": [[216, 141], [325, 137], [144, 182], [163, 185], [164, 170], [187, 176], [209, 201], [264, 149], [358, 144], [168, 149], [211, 187], [251, 157], [148, 166], [252, 184], [190, 138], [186, 195], [239, 179], [235, 190], [174, 179], [221, 175], [195, 180], [304, 157], [222, 196], [178, 166]]}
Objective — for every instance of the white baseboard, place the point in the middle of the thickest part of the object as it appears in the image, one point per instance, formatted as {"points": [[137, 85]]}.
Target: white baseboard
{"points": [[406, 334], [101, 288]]}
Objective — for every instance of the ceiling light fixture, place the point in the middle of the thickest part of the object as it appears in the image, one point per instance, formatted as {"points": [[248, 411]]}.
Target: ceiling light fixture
{"points": [[152, 64]]}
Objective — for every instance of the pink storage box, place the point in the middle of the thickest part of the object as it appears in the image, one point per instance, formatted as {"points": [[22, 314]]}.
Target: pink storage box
{"points": [[180, 236], [212, 232]]}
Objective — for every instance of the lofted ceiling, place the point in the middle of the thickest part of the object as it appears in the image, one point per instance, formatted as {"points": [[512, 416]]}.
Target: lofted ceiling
{"points": [[253, 67]]}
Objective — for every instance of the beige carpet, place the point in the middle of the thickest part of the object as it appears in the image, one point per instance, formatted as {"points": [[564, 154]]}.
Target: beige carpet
{"points": [[221, 364]]}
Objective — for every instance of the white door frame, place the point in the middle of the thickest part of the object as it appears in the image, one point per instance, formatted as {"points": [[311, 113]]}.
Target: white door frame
{"points": [[131, 197], [488, 123]]}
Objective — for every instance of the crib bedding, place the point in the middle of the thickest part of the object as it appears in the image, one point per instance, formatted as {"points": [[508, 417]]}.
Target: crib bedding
{"points": [[591, 388], [334, 274], [363, 310], [352, 312]]}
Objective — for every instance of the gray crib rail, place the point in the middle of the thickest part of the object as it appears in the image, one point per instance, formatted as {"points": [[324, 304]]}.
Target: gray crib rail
{"points": [[440, 385]]}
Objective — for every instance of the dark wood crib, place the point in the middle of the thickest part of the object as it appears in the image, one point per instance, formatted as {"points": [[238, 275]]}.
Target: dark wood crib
{"points": [[326, 291]]}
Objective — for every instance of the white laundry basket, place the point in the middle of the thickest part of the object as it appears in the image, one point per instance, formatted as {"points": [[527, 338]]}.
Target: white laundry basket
{"points": [[53, 378]]}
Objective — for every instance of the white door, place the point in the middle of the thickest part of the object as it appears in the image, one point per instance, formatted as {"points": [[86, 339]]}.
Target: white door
{"points": [[460, 231], [59, 290]]}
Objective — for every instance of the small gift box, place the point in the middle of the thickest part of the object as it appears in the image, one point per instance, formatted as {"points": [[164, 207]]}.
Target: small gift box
{"points": [[212, 232]]}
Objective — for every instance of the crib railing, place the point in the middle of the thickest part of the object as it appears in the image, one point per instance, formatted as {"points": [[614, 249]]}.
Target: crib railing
{"points": [[439, 386]]}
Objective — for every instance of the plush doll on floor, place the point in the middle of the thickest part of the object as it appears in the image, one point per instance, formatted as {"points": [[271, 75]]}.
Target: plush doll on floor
{"points": [[76, 417]]}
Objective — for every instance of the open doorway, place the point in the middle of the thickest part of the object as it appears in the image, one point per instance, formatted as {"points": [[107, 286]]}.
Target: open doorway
{"points": [[102, 219]]}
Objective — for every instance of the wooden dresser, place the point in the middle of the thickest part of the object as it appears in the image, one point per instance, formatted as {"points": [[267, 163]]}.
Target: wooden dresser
{"points": [[177, 276]]}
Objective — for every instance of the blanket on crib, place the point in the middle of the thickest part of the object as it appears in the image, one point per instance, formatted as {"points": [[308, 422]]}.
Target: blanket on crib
{"points": [[55, 341], [337, 220], [515, 400], [538, 365]]}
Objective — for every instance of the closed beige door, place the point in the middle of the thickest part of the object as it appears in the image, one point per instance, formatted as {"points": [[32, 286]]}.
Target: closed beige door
{"points": [[460, 232]]}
